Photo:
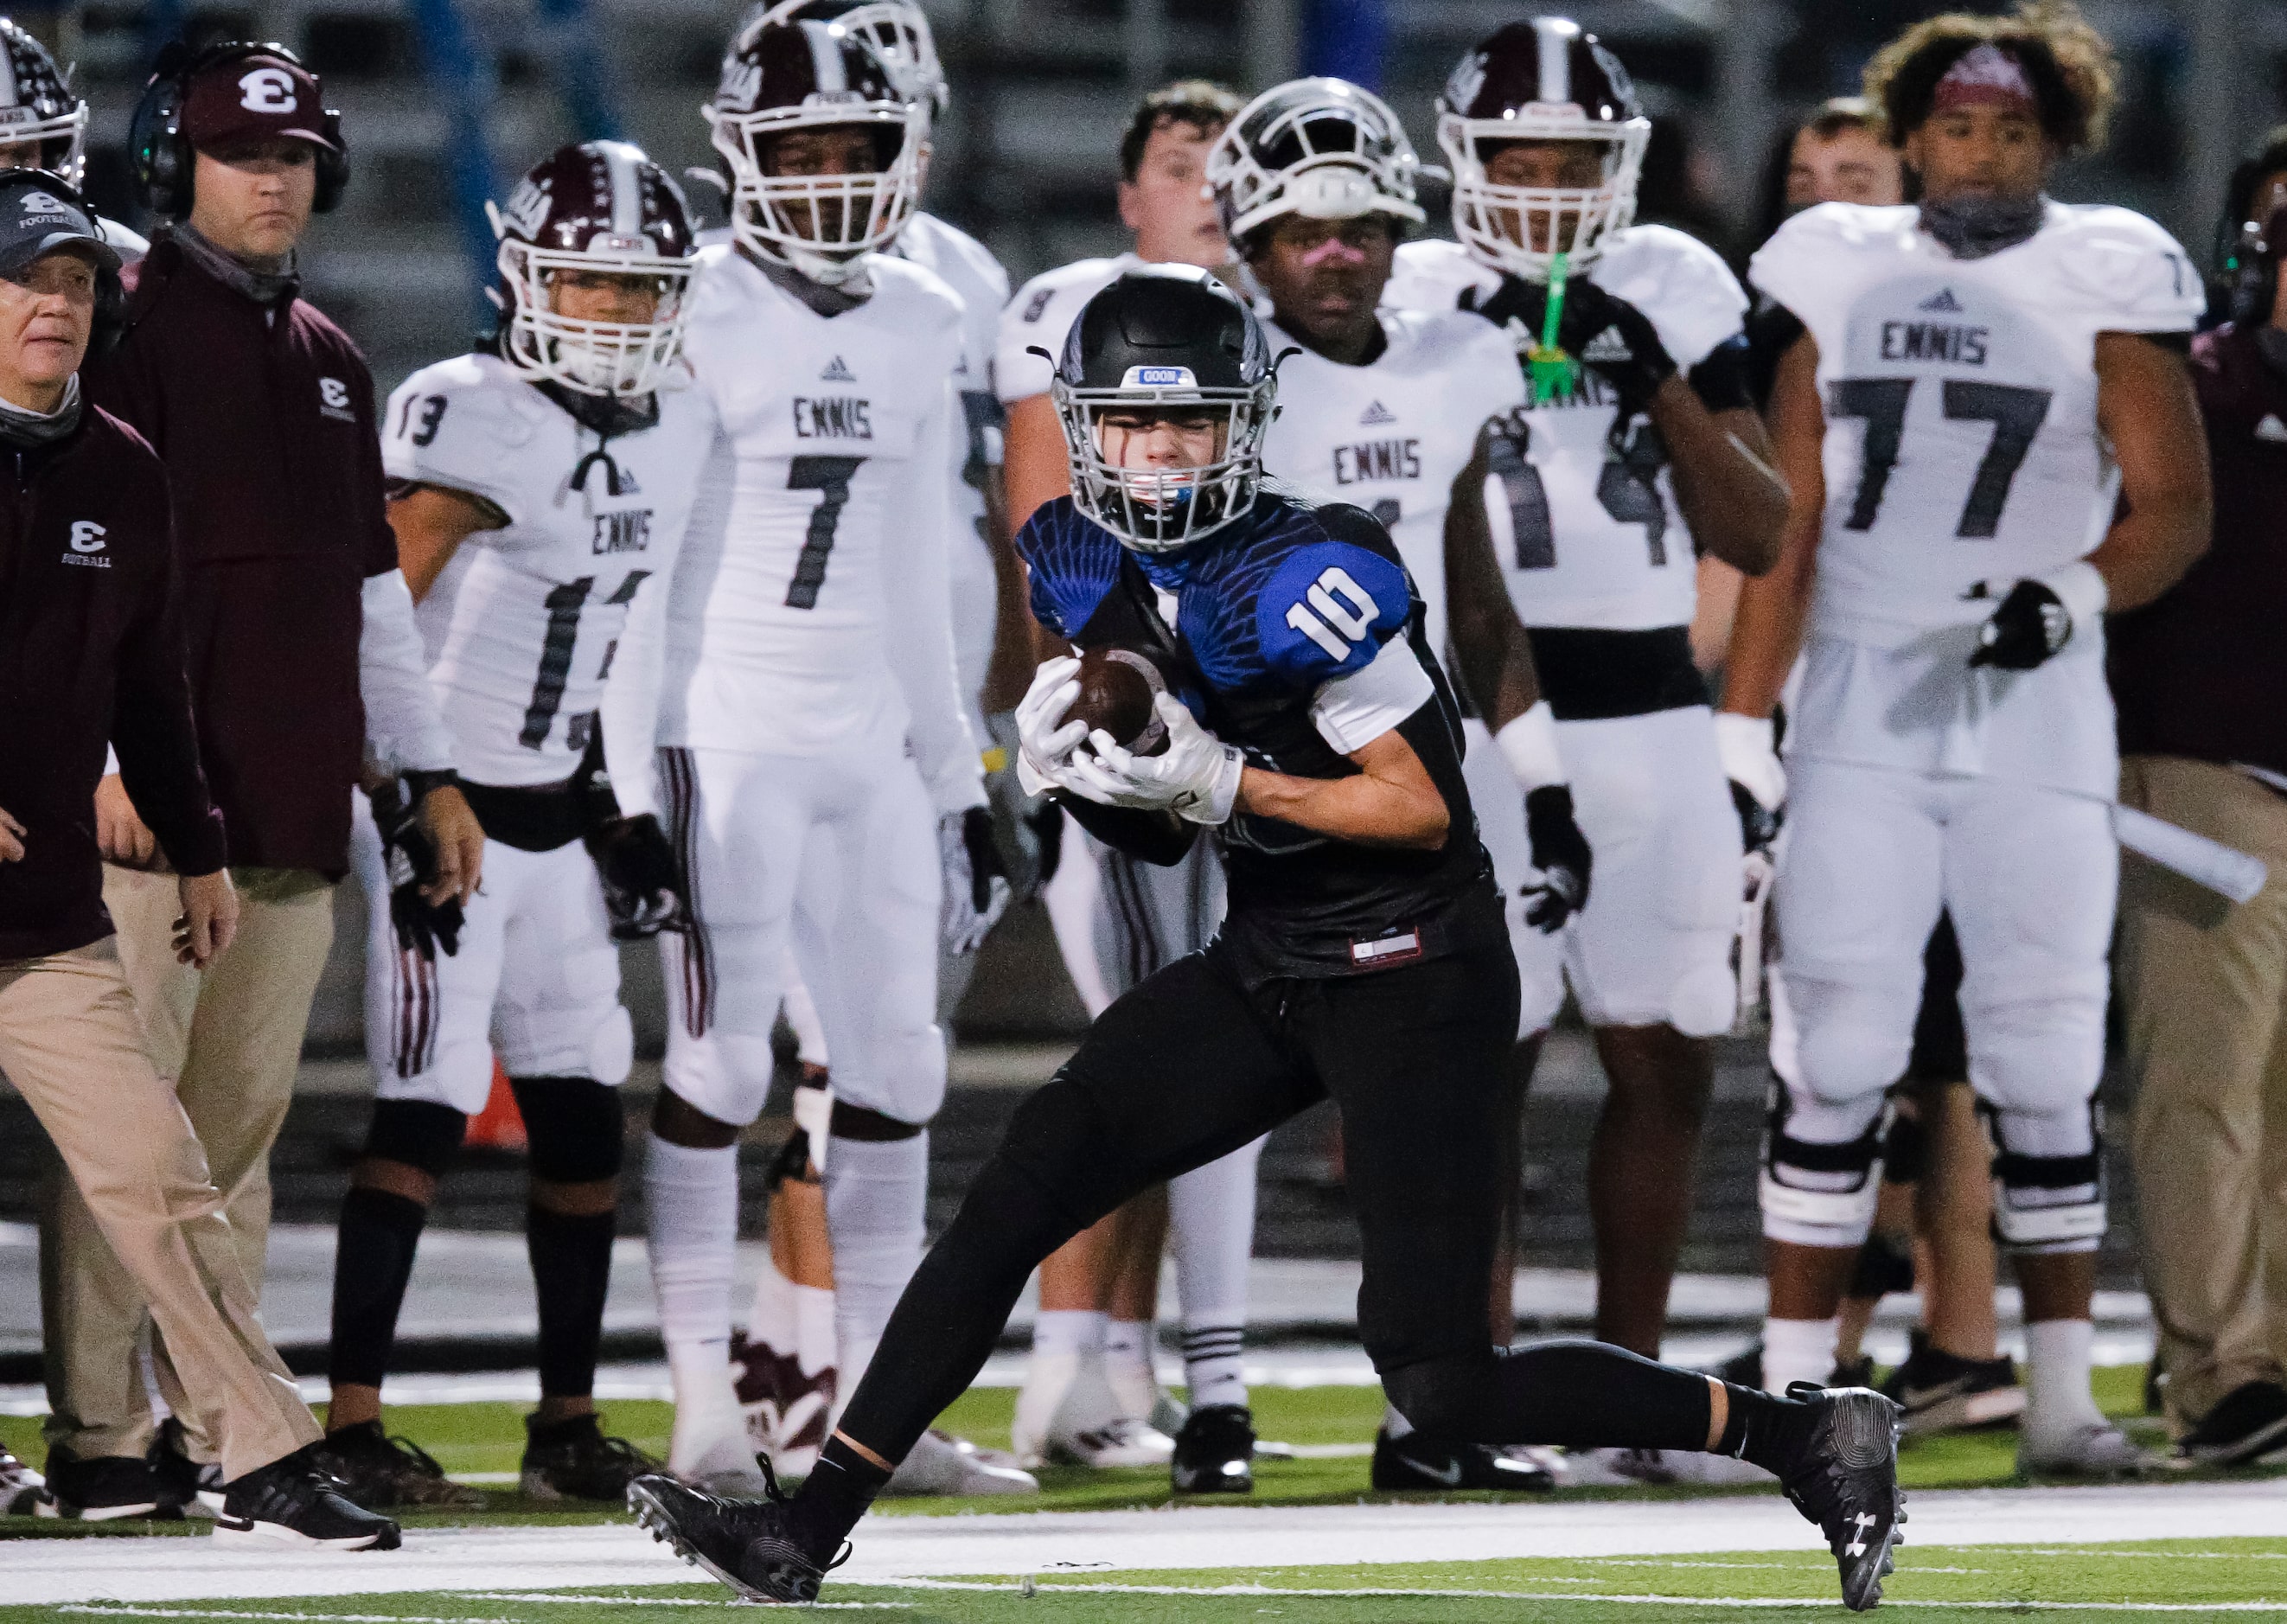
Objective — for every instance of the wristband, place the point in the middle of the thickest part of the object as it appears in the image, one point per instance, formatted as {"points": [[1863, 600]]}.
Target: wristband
{"points": [[1529, 745], [420, 781]]}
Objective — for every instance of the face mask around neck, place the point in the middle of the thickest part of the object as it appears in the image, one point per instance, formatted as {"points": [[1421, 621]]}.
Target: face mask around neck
{"points": [[1975, 225]]}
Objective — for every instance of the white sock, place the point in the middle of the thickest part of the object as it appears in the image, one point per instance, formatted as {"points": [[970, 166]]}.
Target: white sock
{"points": [[1798, 1350], [814, 1338], [2057, 1356], [1069, 1330], [694, 1198], [1212, 1369], [774, 1322], [1392, 1422], [875, 1194], [1127, 1366]]}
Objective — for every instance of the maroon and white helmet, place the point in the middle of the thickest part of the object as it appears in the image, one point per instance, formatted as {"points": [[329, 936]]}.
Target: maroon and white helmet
{"points": [[599, 208], [1540, 80], [779, 79], [38, 109], [899, 29]]}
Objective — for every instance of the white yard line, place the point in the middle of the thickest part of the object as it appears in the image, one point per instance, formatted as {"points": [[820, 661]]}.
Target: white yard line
{"points": [[129, 1570]]}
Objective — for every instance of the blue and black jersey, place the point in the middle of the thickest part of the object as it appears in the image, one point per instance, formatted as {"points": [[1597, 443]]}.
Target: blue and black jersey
{"points": [[1252, 622]]}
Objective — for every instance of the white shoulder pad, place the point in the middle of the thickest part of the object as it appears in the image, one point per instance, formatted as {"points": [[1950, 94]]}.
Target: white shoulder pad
{"points": [[2132, 276], [916, 294], [1041, 312], [460, 424], [959, 257], [1432, 274], [1680, 284], [1799, 266], [1477, 356]]}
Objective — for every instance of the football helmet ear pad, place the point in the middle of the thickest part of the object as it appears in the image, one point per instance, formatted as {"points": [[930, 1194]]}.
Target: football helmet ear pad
{"points": [[161, 157]]}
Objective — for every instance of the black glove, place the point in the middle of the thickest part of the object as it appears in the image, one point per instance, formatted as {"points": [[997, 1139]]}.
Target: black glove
{"points": [[1616, 341], [976, 877], [2032, 624], [1758, 825], [1560, 850], [410, 859], [643, 883]]}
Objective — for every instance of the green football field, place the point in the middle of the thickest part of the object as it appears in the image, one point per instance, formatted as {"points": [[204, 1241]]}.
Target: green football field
{"points": [[2218, 1578]]}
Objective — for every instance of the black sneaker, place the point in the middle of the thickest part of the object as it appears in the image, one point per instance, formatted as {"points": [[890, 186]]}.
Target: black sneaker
{"points": [[1845, 1478], [1852, 1373], [1416, 1463], [390, 1473], [23, 1491], [748, 1544], [190, 1487], [1215, 1452], [293, 1501], [2247, 1421], [106, 1488], [1941, 1392], [573, 1460]]}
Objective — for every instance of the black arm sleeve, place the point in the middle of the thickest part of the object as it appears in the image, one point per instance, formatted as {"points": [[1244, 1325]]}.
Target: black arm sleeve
{"points": [[1159, 838], [1772, 329], [1725, 381]]}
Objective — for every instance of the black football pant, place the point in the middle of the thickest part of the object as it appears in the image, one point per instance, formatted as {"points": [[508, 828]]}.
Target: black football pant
{"points": [[1190, 1065]]}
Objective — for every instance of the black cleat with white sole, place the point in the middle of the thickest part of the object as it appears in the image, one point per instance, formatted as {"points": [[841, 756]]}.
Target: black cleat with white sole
{"points": [[748, 1544], [1845, 1478], [293, 1501], [1215, 1452], [1417, 1463]]}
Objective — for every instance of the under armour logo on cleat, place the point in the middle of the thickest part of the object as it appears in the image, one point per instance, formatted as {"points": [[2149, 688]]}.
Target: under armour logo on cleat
{"points": [[1857, 1547], [1376, 414], [836, 372], [1943, 299]]}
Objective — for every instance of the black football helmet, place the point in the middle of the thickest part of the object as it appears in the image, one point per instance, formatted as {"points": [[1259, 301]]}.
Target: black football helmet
{"points": [[780, 77], [1161, 337], [1323, 149], [1540, 80], [37, 108], [600, 207]]}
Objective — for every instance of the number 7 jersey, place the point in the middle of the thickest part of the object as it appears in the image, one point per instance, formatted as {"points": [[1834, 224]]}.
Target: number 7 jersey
{"points": [[1962, 442]]}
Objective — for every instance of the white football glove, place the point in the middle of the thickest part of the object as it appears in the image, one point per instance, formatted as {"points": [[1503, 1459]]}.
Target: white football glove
{"points": [[1045, 739], [1195, 777], [1759, 783], [976, 879]]}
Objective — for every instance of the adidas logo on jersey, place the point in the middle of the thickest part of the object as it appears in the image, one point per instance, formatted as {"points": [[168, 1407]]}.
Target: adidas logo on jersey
{"points": [[837, 372], [1943, 299], [1376, 414], [1607, 345]]}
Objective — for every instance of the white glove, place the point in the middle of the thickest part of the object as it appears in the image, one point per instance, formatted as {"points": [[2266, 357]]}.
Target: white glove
{"points": [[976, 881], [1743, 744], [1195, 777], [1045, 741]]}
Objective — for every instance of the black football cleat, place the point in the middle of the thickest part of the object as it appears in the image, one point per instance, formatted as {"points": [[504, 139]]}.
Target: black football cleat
{"points": [[1845, 1478], [1215, 1452], [1418, 1464], [573, 1460], [748, 1544]]}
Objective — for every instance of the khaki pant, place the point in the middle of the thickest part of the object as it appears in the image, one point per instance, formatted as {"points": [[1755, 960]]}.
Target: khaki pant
{"points": [[71, 1044], [228, 1039], [2204, 986]]}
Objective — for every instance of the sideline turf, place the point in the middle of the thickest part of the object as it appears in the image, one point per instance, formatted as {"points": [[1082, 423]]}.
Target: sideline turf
{"points": [[489, 1438], [2222, 1578]]}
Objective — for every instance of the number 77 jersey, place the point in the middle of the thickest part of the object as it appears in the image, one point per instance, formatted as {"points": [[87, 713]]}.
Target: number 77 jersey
{"points": [[1962, 442]]}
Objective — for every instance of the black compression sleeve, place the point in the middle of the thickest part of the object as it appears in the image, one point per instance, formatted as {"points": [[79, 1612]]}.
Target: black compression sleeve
{"points": [[1159, 838], [1724, 381]]}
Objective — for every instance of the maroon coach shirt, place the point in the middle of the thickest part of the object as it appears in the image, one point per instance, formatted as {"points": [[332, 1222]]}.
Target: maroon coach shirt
{"points": [[264, 420], [2203, 671], [91, 648]]}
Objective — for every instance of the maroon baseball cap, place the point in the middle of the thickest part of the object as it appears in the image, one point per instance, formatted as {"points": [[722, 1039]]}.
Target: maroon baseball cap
{"points": [[253, 97]]}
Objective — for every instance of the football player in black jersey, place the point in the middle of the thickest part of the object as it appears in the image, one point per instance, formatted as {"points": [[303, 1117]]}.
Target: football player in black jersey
{"points": [[1363, 958]]}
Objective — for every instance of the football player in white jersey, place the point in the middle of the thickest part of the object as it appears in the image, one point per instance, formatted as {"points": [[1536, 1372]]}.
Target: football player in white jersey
{"points": [[1392, 411], [1090, 1396], [1991, 440], [537, 483], [818, 764], [784, 1361], [1601, 496]]}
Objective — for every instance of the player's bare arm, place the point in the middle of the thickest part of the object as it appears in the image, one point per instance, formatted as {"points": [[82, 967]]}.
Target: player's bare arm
{"points": [[1490, 649], [1390, 802], [1767, 633], [430, 522], [1731, 496], [2145, 405]]}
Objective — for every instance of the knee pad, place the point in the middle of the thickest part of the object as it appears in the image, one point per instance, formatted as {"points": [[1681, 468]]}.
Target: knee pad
{"points": [[1705, 1000], [1851, 1041], [2048, 1177], [1450, 1396], [573, 1125], [419, 1133], [2037, 1054], [1818, 1185]]}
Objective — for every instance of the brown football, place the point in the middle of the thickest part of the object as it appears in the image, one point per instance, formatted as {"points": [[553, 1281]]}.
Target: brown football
{"points": [[1117, 687]]}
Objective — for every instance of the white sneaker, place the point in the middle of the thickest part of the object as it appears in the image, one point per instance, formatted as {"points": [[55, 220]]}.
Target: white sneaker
{"points": [[2093, 1449], [1067, 1413], [943, 1464], [23, 1491]]}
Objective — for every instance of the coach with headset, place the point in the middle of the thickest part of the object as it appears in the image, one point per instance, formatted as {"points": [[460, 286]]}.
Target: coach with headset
{"points": [[302, 656]]}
